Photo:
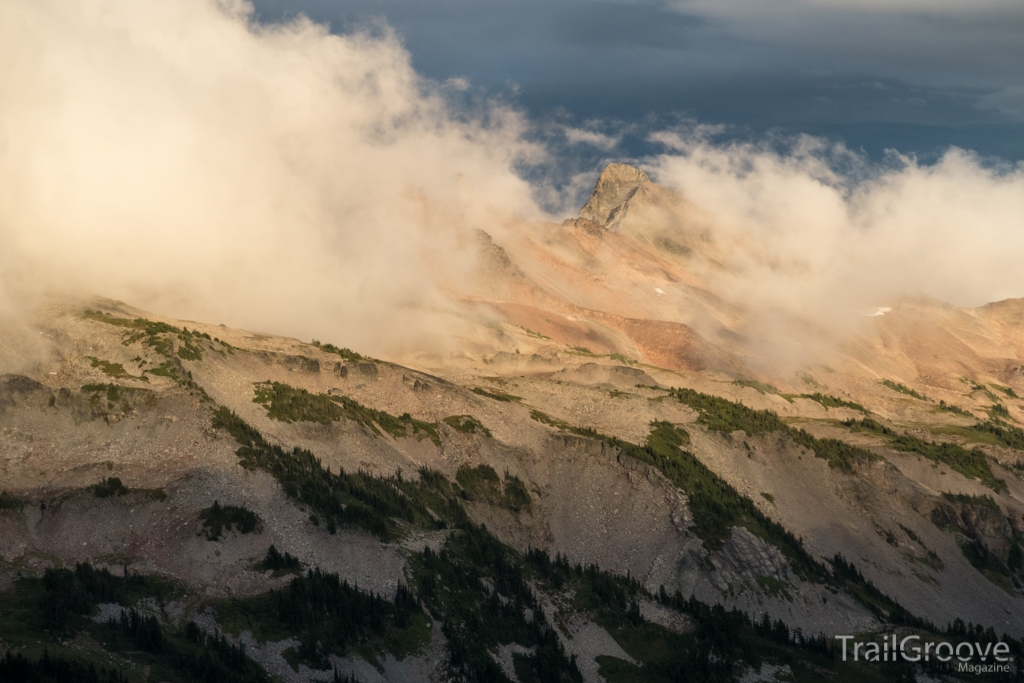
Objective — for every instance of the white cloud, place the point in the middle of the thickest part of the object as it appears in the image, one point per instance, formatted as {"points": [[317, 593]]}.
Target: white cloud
{"points": [[582, 136], [179, 156], [800, 236], [457, 83], [806, 250]]}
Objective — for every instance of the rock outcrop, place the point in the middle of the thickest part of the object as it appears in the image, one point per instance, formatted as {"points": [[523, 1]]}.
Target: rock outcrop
{"points": [[617, 185]]}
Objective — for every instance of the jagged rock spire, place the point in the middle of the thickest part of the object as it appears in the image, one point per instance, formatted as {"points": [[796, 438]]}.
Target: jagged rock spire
{"points": [[615, 186]]}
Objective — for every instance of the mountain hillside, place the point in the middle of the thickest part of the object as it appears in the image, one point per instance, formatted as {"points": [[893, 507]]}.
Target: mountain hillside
{"points": [[601, 483]]}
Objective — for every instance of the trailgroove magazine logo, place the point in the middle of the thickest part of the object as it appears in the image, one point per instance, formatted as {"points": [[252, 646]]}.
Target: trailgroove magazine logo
{"points": [[969, 657]]}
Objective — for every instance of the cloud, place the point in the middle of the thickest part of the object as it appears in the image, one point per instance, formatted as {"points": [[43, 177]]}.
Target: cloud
{"points": [[816, 233], [931, 42], [582, 136], [1008, 101], [917, 6], [184, 158], [885, 7], [754, 64]]}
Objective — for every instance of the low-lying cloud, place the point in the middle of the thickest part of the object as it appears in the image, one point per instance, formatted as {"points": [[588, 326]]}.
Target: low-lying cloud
{"points": [[188, 160], [184, 158], [802, 240]]}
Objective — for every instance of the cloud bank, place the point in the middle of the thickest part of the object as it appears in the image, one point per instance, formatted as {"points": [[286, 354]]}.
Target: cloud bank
{"points": [[188, 160], [800, 239], [184, 158]]}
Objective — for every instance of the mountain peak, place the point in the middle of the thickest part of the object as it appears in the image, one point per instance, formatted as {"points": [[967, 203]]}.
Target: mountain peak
{"points": [[615, 186]]}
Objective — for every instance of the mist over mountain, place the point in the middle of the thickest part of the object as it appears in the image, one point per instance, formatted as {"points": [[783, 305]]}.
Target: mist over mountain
{"points": [[314, 368]]}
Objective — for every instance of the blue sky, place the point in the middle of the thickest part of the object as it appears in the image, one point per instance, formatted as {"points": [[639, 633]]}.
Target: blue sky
{"points": [[916, 76]]}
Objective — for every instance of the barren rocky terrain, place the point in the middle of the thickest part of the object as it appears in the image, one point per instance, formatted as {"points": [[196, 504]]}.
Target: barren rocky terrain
{"points": [[560, 391]]}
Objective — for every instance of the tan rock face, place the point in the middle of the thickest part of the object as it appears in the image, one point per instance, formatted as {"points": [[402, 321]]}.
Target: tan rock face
{"points": [[616, 185]]}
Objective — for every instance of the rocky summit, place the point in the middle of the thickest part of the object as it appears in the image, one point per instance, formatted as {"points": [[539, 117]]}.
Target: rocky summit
{"points": [[616, 185]]}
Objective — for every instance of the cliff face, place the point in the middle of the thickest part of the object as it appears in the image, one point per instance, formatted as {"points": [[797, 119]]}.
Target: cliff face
{"points": [[616, 186]]}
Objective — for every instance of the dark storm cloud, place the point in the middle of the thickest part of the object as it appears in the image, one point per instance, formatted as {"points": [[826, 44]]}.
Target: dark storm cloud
{"points": [[925, 41], [468, 36], [917, 75], [616, 26]]}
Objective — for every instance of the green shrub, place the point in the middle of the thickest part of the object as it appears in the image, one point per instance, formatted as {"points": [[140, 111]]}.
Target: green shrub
{"points": [[289, 404], [715, 505], [116, 394], [11, 502], [41, 614], [759, 387], [496, 395], [479, 483], [358, 499], [1006, 390], [485, 596], [832, 402], [948, 407], [972, 501], [973, 463], [961, 515], [111, 486], [467, 424], [160, 337], [346, 354], [484, 593], [69, 593], [483, 483], [516, 495], [55, 667], [981, 557], [904, 389], [839, 454], [477, 617], [326, 614], [165, 369], [280, 564], [218, 519], [115, 370], [188, 348], [111, 391], [544, 418], [885, 608], [420, 428], [999, 410], [722, 415], [581, 350], [471, 478], [531, 333], [1007, 434]]}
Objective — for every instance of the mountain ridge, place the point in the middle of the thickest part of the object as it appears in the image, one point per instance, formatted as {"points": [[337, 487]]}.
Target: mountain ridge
{"points": [[605, 413]]}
